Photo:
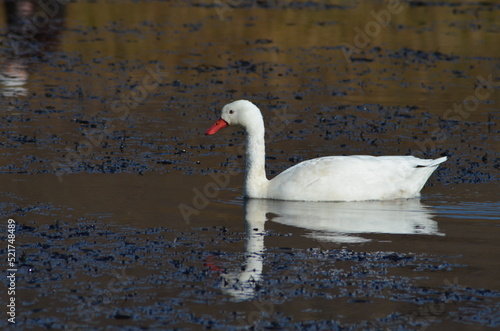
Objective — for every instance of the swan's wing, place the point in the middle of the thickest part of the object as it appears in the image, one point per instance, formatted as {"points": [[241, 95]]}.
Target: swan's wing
{"points": [[359, 177]]}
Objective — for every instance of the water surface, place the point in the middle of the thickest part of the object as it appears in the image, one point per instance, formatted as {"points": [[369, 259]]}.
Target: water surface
{"points": [[128, 215]]}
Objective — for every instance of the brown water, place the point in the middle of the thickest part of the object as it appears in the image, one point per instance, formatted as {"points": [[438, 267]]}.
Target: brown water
{"points": [[129, 216]]}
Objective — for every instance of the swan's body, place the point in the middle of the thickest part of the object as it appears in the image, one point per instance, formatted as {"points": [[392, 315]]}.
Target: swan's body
{"points": [[331, 178]]}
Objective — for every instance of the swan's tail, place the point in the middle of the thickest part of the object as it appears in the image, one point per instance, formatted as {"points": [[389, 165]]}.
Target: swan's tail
{"points": [[430, 163], [436, 162], [424, 170]]}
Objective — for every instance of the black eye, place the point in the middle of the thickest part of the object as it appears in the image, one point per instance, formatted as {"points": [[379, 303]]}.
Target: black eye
{"points": [[231, 112]]}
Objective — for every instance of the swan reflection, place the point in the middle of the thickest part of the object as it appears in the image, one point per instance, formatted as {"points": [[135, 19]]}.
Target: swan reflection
{"points": [[325, 221], [337, 221]]}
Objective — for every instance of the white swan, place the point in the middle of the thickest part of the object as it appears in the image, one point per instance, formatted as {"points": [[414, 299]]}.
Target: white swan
{"points": [[331, 178]]}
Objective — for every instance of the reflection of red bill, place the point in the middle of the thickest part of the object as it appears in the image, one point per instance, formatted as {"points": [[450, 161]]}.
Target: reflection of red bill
{"points": [[217, 126], [209, 262]]}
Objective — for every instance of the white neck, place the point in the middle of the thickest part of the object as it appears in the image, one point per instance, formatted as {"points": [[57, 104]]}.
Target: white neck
{"points": [[255, 180]]}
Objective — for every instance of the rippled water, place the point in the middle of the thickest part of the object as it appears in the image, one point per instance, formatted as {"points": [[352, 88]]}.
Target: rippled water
{"points": [[123, 220]]}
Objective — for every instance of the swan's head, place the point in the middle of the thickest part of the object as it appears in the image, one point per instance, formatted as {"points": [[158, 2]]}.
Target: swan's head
{"points": [[241, 112]]}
